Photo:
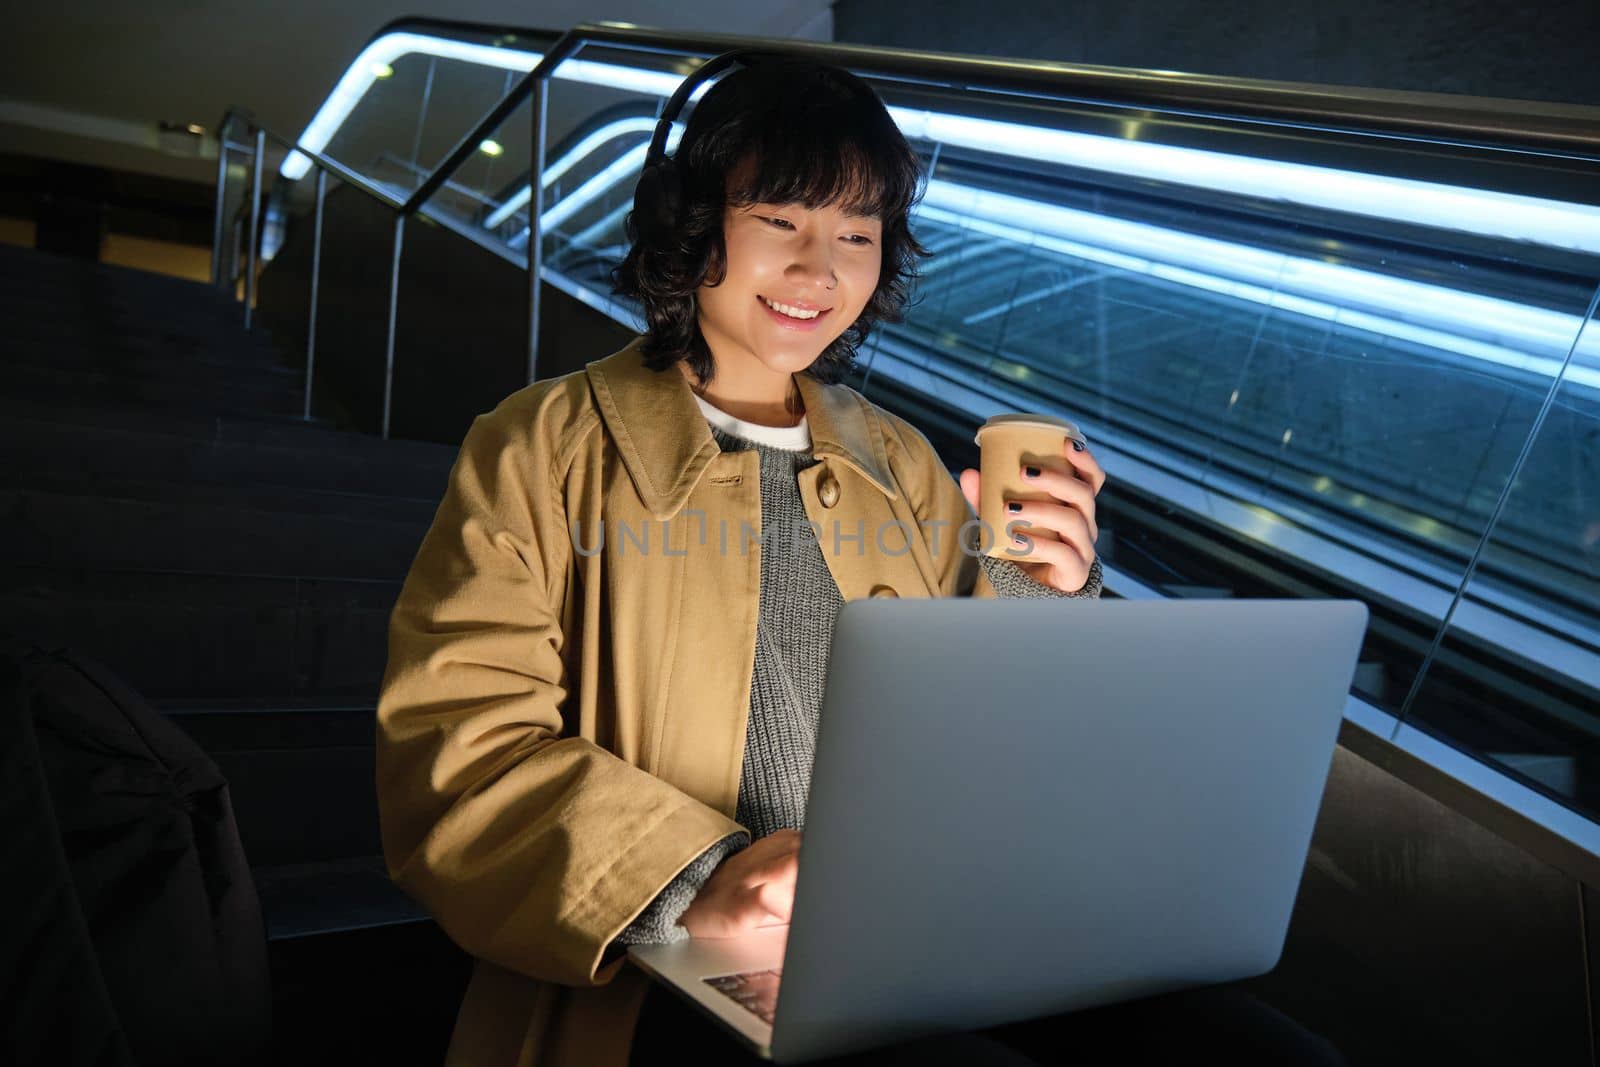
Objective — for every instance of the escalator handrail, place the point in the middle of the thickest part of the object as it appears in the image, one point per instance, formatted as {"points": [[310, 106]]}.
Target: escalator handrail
{"points": [[1547, 126], [1567, 129], [464, 149], [332, 166]]}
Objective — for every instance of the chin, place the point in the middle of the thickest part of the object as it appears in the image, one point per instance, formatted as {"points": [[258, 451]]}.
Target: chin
{"points": [[793, 361]]}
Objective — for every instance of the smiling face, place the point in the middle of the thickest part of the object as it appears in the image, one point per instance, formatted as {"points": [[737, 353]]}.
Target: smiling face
{"points": [[820, 264]]}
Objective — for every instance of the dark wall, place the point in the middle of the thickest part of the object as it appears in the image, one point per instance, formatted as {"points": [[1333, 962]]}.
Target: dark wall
{"points": [[1539, 51], [75, 206]]}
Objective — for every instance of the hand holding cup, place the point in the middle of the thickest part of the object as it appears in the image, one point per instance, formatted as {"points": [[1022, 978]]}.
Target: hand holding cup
{"points": [[1035, 495]]}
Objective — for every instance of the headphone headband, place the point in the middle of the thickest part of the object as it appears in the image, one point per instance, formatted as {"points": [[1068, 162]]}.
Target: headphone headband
{"points": [[656, 198], [680, 97]]}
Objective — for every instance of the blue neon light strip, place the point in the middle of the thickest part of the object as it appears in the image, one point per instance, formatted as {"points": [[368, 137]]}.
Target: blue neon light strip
{"points": [[1505, 216], [1504, 332]]}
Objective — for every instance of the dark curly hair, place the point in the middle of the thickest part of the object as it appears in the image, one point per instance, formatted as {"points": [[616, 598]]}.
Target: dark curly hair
{"points": [[788, 131]]}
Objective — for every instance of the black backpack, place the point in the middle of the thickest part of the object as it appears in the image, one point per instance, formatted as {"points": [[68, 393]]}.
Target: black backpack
{"points": [[133, 934]]}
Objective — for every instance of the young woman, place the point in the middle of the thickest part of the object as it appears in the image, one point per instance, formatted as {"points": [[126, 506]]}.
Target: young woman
{"points": [[591, 736]]}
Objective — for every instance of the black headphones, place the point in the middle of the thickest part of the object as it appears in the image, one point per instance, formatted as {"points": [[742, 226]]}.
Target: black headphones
{"points": [[658, 196]]}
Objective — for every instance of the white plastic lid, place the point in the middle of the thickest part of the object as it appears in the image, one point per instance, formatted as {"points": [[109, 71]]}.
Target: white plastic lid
{"points": [[1053, 421]]}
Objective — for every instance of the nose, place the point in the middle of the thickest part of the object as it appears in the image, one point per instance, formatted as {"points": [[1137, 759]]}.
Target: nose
{"points": [[812, 268]]}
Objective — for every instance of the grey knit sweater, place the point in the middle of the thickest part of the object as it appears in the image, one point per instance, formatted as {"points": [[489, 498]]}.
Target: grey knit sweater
{"points": [[799, 602]]}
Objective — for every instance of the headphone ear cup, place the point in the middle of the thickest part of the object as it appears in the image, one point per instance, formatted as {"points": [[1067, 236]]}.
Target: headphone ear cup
{"points": [[657, 200]]}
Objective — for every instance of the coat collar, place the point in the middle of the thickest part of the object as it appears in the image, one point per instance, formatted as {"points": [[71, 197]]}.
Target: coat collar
{"points": [[666, 443]]}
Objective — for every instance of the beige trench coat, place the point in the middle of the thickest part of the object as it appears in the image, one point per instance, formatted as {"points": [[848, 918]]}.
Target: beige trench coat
{"points": [[562, 720]]}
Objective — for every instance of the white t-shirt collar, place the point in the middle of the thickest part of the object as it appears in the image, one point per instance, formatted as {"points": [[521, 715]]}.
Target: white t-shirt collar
{"points": [[789, 438]]}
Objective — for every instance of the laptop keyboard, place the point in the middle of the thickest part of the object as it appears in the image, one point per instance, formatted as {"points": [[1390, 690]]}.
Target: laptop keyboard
{"points": [[755, 990]]}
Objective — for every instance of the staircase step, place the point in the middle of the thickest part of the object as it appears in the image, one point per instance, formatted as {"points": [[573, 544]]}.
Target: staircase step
{"points": [[286, 430], [192, 497], [25, 268], [306, 899], [302, 776], [69, 303], [86, 347], [65, 389], [35, 446], [268, 389], [188, 635], [382, 994], [251, 724], [304, 804], [164, 299], [62, 530], [164, 510]]}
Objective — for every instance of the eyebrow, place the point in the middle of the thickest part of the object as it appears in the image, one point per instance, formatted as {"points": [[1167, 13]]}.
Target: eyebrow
{"points": [[854, 216]]}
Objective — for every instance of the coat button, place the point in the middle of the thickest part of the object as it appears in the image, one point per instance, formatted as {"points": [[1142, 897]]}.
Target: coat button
{"points": [[828, 490], [883, 590]]}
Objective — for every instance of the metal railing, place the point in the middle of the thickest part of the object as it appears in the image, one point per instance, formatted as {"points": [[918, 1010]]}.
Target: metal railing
{"points": [[1507, 124], [225, 275], [1513, 126]]}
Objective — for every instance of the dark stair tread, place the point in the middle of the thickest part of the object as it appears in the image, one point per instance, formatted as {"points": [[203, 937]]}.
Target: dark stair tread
{"points": [[153, 360], [193, 645], [107, 586], [383, 994], [55, 529], [156, 397], [28, 447], [306, 724], [24, 376], [287, 430], [212, 496], [304, 899], [56, 269], [303, 803], [178, 707]]}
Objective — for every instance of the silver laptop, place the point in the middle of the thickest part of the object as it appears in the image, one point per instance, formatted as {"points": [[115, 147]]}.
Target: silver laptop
{"points": [[1025, 807]]}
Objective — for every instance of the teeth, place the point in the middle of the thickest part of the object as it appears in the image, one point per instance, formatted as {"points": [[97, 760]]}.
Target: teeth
{"points": [[792, 312]]}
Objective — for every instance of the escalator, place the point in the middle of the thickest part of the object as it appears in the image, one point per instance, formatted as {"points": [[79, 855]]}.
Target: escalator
{"points": [[1346, 355]]}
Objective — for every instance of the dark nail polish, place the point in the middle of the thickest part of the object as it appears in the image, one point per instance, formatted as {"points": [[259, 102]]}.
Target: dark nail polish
{"points": [[1077, 445], [1013, 506], [1032, 472]]}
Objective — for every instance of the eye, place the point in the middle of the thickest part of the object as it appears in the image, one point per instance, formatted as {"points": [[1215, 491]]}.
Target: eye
{"points": [[781, 223], [860, 240]]}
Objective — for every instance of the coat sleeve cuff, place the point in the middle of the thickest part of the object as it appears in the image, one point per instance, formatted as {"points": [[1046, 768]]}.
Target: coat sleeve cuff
{"points": [[1010, 580], [598, 918], [658, 923]]}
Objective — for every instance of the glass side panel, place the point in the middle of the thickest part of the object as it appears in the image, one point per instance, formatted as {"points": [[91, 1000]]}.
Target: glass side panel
{"points": [[483, 185], [599, 112], [352, 302], [409, 120], [1346, 400], [235, 208], [1308, 359], [1516, 678], [603, 107], [1335, 377]]}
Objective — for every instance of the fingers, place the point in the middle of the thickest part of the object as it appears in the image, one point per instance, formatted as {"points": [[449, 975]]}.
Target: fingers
{"points": [[784, 868], [1068, 543], [776, 899], [775, 857], [1057, 563], [753, 887], [1084, 464], [1077, 507]]}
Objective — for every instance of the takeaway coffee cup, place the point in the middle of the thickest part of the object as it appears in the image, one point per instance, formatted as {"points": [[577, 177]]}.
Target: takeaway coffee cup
{"points": [[1007, 443]]}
